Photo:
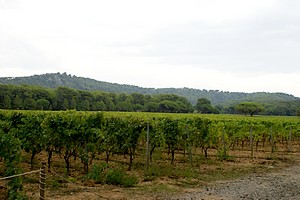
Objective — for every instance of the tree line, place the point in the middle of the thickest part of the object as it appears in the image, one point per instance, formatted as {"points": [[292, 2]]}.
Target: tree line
{"points": [[25, 97], [217, 97]]}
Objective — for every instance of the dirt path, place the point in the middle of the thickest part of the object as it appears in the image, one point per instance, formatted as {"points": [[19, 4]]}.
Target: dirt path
{"points": [[283, 184]]}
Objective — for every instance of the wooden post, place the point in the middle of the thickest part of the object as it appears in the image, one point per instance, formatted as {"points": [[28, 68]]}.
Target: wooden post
{"points": [[42, 181]]}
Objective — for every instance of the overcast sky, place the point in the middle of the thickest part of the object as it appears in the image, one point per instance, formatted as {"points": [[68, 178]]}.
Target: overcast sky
{"points": [[228, 45]]}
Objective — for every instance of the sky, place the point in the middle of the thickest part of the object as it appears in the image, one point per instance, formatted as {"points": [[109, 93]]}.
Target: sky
{"points": [[232, 45]]}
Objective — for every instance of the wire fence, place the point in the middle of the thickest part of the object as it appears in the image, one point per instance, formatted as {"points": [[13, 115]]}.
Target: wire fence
{"points": [[17, 175], [42, 181]]}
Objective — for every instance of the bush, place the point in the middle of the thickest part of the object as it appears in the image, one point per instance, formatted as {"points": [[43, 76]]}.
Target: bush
{"points": [[117, 177], [98, 173], [102, 174]]}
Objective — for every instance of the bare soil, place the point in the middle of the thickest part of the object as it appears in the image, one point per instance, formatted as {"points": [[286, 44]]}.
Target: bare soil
{"points": [[263, 177], [277, 178], [281, 184]]}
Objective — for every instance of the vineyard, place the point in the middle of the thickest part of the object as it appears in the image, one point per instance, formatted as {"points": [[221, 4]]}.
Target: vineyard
{"points": [[89, 143]]}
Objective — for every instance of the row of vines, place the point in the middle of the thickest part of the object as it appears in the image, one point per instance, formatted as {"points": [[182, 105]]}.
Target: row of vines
{"points": [[85, 135]]}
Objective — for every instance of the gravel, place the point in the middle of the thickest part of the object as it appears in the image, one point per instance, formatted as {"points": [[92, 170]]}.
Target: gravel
{"points": [[284, 184]]}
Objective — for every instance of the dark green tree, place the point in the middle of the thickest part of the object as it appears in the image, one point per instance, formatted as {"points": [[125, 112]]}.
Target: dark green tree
{"points": [[42, 104], [98, 105], [7, 102], [249, 108], [18, 103], [151, 106], [73, 103], [298, 112], [138, 98], [29, 104], [65, 105], [168, 106], [204, 106]]}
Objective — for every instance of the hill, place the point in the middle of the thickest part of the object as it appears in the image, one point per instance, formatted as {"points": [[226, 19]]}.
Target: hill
{"points": [[223, 98]]}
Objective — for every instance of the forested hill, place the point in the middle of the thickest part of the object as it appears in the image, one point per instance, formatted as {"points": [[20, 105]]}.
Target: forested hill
{"points": [[54, 80]]}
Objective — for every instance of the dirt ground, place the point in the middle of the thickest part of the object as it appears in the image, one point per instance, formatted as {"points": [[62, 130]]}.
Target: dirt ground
{"points": [[269, 179], [282, 184], [263, 177]]}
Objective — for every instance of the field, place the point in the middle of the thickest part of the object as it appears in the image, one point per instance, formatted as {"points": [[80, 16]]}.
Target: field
{"points": [[114, 155]]}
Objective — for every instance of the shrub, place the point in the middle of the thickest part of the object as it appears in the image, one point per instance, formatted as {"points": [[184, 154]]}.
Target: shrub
{"points": [[102, 174], [118, 177], [98, 173]]}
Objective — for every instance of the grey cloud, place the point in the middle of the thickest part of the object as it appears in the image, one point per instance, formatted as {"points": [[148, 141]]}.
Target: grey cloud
{"points": [[267, 42]]}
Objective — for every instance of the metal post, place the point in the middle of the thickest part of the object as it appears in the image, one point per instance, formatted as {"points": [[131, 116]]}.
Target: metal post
{"points": [[42, 181]]}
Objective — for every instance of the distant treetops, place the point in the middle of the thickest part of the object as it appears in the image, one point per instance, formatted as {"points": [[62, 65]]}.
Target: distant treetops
{"points": [[27, 97]]}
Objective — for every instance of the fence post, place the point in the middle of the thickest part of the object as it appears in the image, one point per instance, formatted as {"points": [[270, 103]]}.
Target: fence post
{"points": [[42, 181]]}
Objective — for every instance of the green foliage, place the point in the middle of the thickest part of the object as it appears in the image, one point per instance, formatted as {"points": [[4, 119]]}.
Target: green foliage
{"points": [[10, 151], [172, 134], [103, 174], [75, 134], [225, 100], [249, 108], [298, 112], [98, 173], [202, 134], [204, 106], [118, 177], [64, 98], [7, 102]]}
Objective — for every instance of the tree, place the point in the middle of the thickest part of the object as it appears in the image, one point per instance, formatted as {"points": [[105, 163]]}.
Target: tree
{"points": [[124, 106], [64, 96], [29, 104], [73, 104], [42, 104], [65, 104], [85, 105], [168, 106], [151, 106], [204, 106], [138, 98], [7, 102], [298, 112], [18, 103], [98, 105], [249, 108]]}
